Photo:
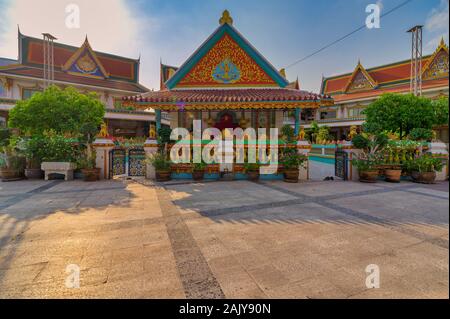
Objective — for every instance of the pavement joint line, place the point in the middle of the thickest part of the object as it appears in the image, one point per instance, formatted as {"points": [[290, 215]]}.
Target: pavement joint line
{"points": [[324, 201], [196, 276], [425, 194], [19, 198]]}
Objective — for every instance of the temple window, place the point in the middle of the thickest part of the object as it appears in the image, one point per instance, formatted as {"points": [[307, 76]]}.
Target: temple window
{"points": [[118, 103], [28, 93], [328, 115], [3, 90], [355, 112], [2, 122]]}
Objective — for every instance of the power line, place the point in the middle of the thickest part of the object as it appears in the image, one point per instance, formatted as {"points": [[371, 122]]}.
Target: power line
{"points": [[346, 36]]}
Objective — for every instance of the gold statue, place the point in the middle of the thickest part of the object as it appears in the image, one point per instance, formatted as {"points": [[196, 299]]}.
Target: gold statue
{"points": [[301, 135], [152, 132], [103, 131], [353, 132]]}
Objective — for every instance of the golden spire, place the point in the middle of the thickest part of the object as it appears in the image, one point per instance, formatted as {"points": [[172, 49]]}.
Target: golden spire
{"points": [[226, 18]]}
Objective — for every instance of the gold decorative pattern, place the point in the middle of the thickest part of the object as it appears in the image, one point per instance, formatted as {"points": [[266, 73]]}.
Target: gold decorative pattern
{"points": [[437, 66], [226, 49], [226, 18], [360, 80]]}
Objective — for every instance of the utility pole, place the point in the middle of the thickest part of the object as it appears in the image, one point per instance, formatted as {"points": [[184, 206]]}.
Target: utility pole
{"points": [[416, 60], [49, 59]]}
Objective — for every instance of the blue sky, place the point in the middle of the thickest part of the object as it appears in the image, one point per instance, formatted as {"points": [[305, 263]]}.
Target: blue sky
{"points": [[283, 31]]}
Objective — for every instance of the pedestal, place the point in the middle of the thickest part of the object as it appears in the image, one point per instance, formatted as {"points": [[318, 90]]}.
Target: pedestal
{"points": [[150, 147], [439, 150], [103, 148], [303, 148]]}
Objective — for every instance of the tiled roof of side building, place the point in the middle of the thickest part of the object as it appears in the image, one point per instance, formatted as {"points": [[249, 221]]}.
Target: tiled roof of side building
{"points": [[394, 77], [6, 61], [32, 72]]}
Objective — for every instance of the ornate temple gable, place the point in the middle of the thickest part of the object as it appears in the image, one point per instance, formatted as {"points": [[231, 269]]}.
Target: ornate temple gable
{"points": [[166, 72], [226, 59], [84, 62], [360, 80], [437, 66]]}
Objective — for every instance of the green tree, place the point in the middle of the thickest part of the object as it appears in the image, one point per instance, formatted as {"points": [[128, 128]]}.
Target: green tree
{"points": [[440, 107], [63, 111], [398, 113]]}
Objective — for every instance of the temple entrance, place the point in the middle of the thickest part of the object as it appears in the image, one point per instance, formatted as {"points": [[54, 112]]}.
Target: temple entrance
{"points": [[136, 162], [117, 163]]}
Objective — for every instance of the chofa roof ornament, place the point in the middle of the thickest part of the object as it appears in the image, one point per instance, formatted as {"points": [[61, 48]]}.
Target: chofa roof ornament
{"points": [[226, 18]]}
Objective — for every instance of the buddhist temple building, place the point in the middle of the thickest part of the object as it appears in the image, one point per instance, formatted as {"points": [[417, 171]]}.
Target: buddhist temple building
{"points": [[353, 91], [111, 77], [227, 83]]}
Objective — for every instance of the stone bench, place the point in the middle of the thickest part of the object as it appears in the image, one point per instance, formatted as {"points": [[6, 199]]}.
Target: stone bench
{"points": [[62, 168]]}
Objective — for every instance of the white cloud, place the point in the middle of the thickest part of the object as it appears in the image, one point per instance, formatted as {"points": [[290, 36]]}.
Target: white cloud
{"points": [[111, 25], [437, 24]]}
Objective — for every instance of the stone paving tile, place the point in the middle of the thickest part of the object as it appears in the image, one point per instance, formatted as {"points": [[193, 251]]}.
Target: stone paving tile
{"points": [[266, 240]]}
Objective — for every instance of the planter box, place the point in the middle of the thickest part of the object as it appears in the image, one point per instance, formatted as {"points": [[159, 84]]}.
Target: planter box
{"points": [[63, 168]]}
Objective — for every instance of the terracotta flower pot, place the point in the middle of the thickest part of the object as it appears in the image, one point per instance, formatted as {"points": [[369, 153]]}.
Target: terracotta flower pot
{"points": [[424, 178], [9, 174], [392, 175], [253, 175], [291, 175], [91, 174], [197, 175], [163, 175], [368, 176], [34, 173]]}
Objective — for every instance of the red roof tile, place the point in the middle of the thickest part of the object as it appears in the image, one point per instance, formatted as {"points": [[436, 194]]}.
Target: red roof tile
{"points": [[231, 95], [394, 89], [73, 79]]}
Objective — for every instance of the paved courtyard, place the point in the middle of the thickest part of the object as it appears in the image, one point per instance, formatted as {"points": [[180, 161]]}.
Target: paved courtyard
{"points": [[133, 239]]}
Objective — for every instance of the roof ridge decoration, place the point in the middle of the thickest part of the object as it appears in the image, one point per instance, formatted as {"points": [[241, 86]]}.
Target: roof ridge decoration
{"points": [[437, 66], [84, 62], [365, 82], [226, 59]]}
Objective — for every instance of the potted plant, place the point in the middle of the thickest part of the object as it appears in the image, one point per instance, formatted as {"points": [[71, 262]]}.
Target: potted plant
{"points": [[367, 168], [198, 171], [252, 170], [88, 168], [162, 166], [292, 163], [12, 165], [423, 169], [34, 149], [368, 160]]}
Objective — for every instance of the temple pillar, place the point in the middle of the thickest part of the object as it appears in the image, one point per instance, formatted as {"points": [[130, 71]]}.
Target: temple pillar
{"points": [[303, 148], [439, 150], [150, 148], [298, 112], [103, 148], [158, 115]]}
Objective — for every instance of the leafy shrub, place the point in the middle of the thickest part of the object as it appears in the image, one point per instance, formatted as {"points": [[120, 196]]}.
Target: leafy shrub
{"points": [[159, 161], [421, 134], [424, 164], [59, 149]]}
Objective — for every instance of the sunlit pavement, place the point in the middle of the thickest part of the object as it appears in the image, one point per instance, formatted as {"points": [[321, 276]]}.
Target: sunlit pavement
{"points": [[223, 239]]}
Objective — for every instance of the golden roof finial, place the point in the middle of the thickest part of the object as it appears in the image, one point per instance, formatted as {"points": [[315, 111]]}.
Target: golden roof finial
{"points": [[283, 72], [442, 41], [226, 18]]}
